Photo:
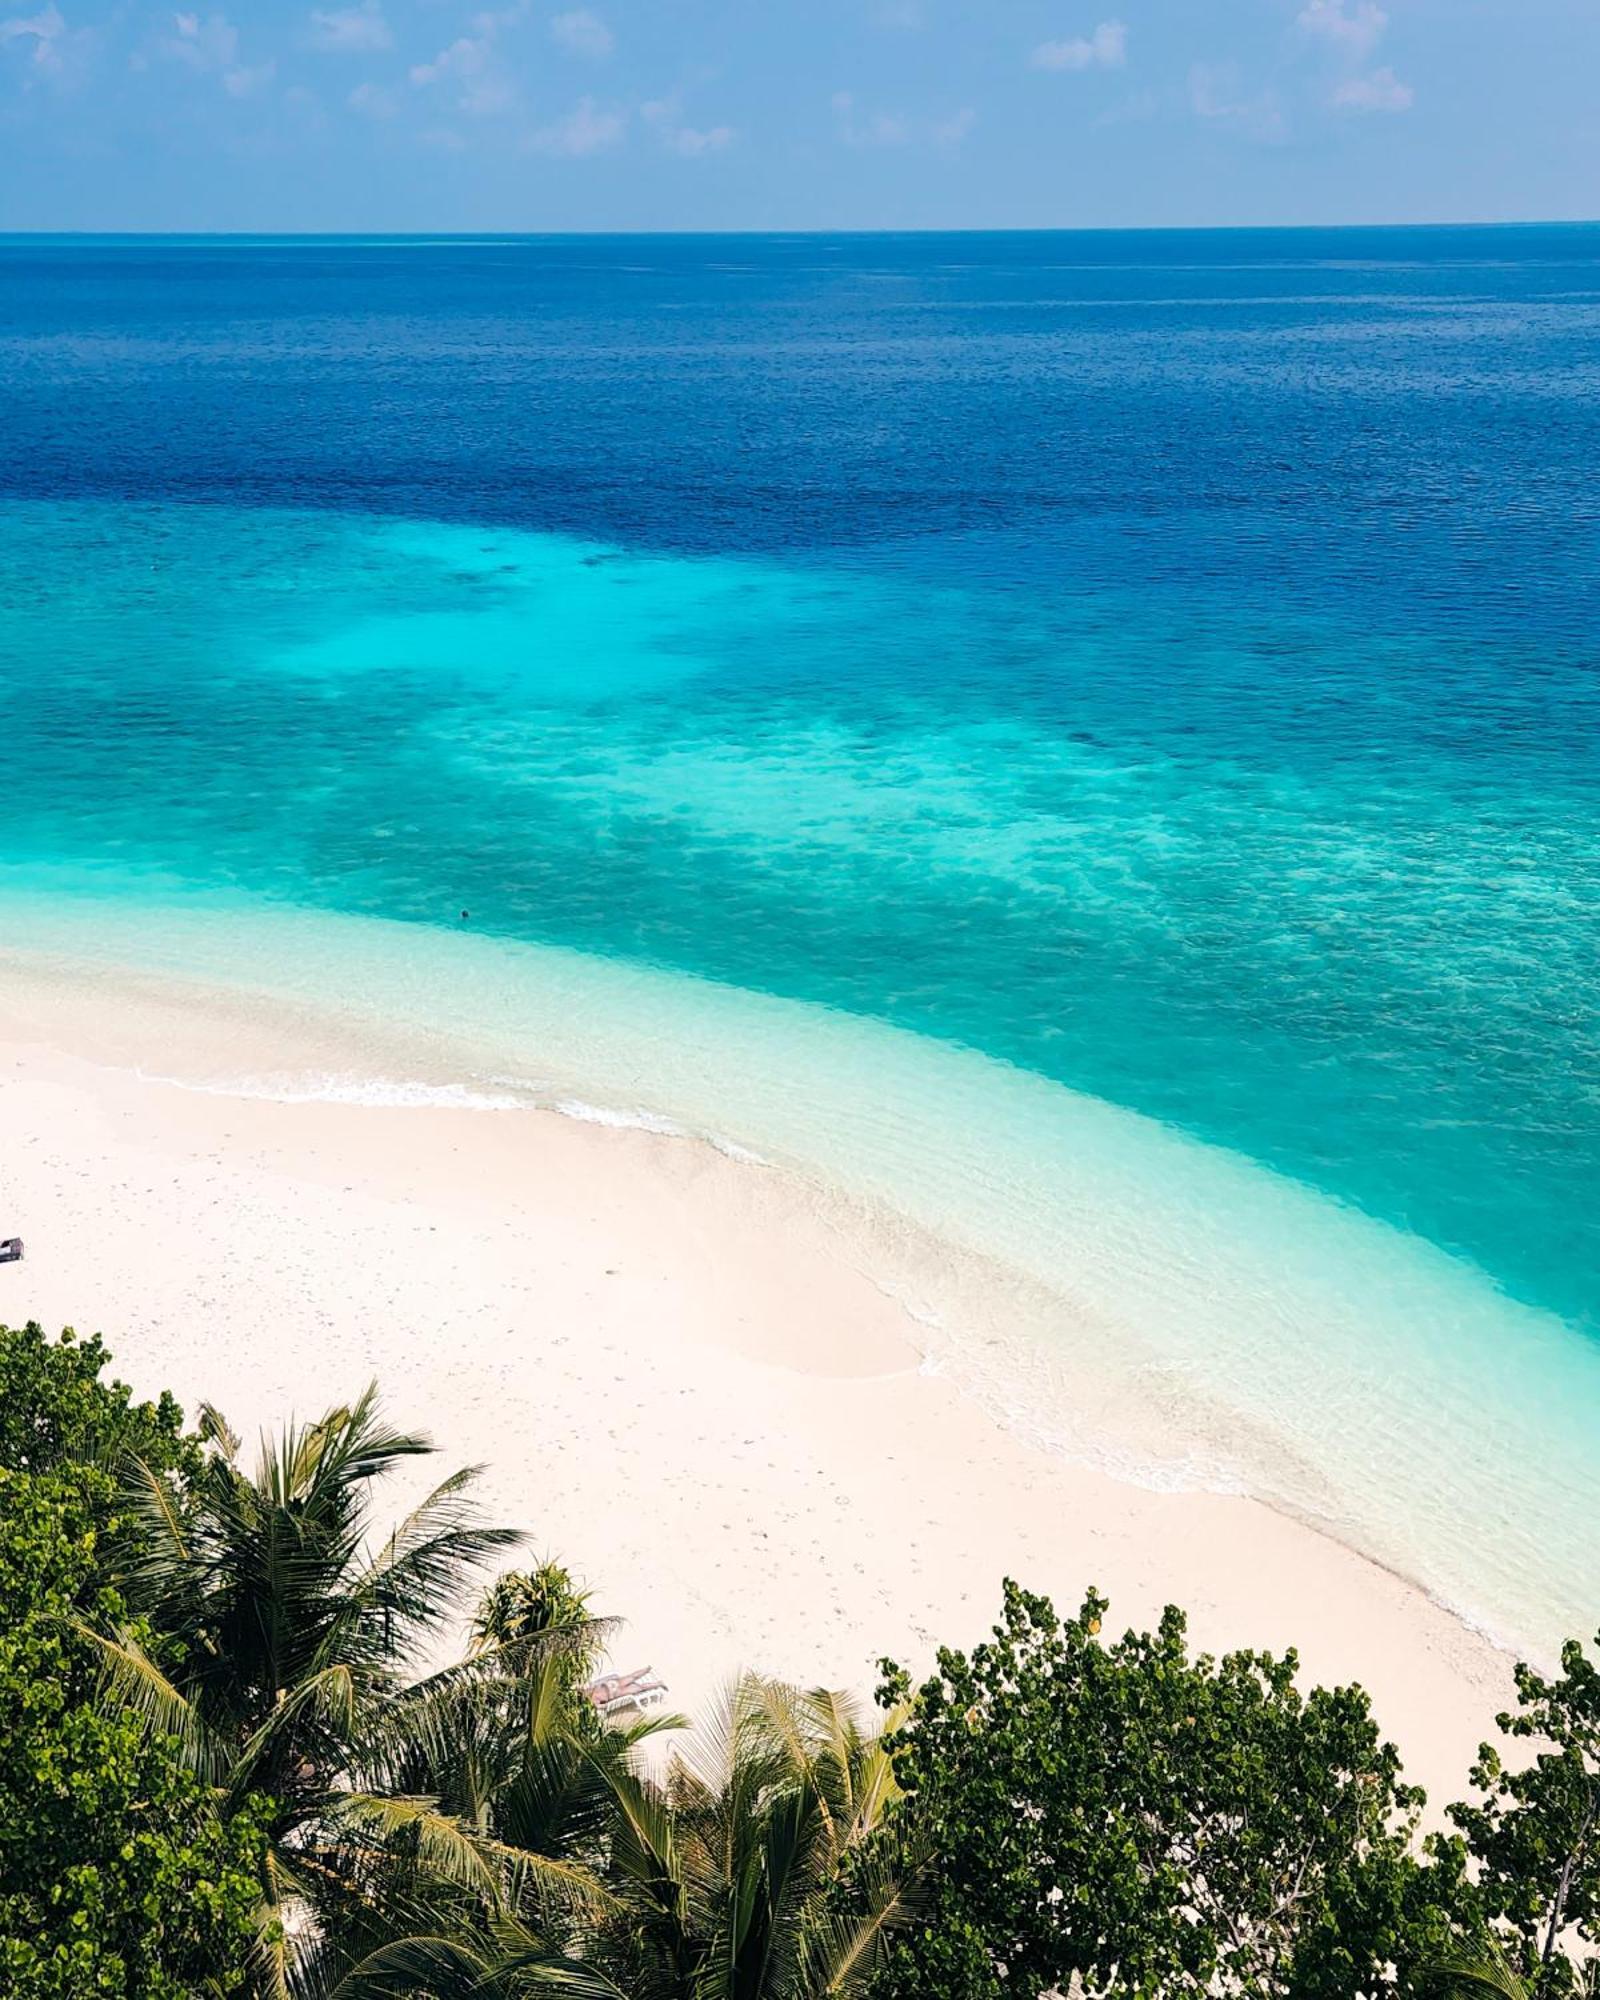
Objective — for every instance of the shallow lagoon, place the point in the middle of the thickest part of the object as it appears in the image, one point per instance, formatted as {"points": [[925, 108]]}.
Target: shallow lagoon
{"points": [[1158, 688]]}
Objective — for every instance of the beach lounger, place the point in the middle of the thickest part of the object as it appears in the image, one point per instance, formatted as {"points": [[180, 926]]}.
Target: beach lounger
{"points": [[10, 1249], [613, 1693]]}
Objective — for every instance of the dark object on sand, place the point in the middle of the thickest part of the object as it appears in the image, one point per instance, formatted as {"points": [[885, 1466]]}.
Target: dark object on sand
{"points": [[10, 1249]]}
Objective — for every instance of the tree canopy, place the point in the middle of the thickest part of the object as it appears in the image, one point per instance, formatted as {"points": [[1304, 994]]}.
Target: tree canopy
{"points": [[116, 1877], [233, 1766], [1149, 1822]]}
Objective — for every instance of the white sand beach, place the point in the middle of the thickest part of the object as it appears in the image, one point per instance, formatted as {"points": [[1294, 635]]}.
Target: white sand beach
{"points": [[684, 1374]]}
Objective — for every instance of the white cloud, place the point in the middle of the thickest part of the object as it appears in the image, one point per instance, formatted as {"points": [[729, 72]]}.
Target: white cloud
{"points": [[373, 101], [1350, 30], [209, 45], [350, 30], [212, 43], [1381, 91], [692, 141], [1212, 89], [868, 128], [1135, 109], [665, 116], [51, 52], [1353, 27], [952, 130], [244, 82], [905, 15], [1105, 48], [465, 57], [856, 125], [44, 30], [485, 88], [583, 34], [488, 97], [469, 62], [1215, 95], [587, 128]]}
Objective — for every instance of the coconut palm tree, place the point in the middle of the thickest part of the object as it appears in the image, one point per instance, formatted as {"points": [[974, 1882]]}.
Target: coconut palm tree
{"points": [[1487, 1970], [275, 1641], [478, 1829], [747, 1872], [524, 1761]]}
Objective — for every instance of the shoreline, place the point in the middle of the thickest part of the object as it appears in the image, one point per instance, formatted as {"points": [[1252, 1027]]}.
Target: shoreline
{"points": [[690, 1380], [1114, 1289]]}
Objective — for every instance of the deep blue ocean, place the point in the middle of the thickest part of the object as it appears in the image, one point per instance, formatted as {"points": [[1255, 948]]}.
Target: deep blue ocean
{"points": [[1166, 662]]}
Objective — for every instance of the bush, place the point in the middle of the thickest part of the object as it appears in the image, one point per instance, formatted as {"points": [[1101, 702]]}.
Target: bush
{"points": [[116, 1878]]}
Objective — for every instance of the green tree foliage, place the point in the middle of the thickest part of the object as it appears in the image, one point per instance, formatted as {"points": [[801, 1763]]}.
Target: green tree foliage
{"points": [[749, 1871], [743, 1871], [522, 1605], [1536, 1831], [286, 1654], [230, 1766], [116, 1879], [1150, 1823], [517, 1752]]}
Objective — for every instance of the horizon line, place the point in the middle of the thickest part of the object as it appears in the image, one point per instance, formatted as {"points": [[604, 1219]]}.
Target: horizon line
{"points": [[1004, 229]]}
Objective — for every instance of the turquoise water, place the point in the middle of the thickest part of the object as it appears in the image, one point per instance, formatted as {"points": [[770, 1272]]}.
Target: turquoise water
{"points": [[1160, 857]]}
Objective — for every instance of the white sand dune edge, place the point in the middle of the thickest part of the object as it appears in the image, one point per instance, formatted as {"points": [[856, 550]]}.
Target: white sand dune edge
{"points": [[682, 1376]]}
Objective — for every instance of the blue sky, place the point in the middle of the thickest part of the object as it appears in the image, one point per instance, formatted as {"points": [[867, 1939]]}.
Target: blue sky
{"points": [[711, 114]]}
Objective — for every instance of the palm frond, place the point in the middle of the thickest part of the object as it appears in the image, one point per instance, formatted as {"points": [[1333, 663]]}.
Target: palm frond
{"points": [[777, 1716], [446, 1849], [645, 1833], [133, 1681], [873, 1783], [1485, 1969], [537, 1971], [625, 1734], [710, 1758], [444, 1968], [513, 1659], [327, 1701], [215, 1429], [158, 1557], [421, 1572], [515, 1692], [270, 1958], [841, 1954], [351, 1445]]}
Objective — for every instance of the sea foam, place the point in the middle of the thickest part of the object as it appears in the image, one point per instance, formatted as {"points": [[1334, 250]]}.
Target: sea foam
{"points": [[1147, 1302]]}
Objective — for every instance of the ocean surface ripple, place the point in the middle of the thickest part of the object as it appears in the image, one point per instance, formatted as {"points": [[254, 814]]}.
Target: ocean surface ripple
{"points": [[1161, 667]]}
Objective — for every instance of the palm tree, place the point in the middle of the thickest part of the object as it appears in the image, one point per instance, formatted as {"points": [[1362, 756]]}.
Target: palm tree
{"points": [[280, 1661], [523, 1759], [522, 1605], [1487, 1970], [478, 1830], [748, 1871]]}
